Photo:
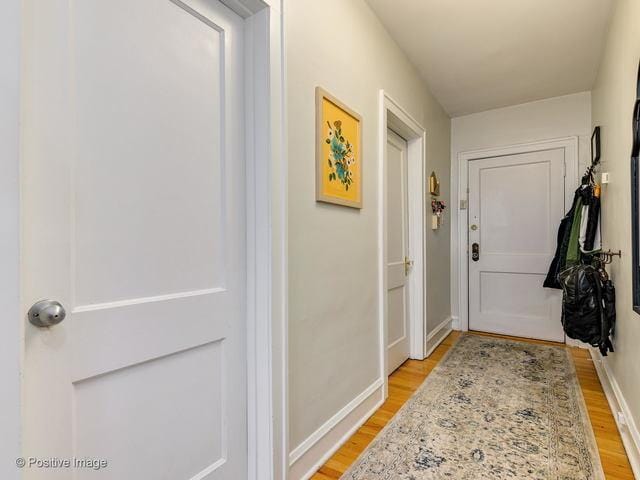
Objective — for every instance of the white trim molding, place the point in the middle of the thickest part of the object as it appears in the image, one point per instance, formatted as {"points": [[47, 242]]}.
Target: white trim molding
{"points": [[313, 452], [393, 116], [627, 427], [266, 239], [570, 147], [438, 334], [12, 326]]}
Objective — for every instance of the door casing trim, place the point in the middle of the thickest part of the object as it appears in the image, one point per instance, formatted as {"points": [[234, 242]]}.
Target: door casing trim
{"points": [[266, 177], [570, 146], [13, 327], [393, 116]]}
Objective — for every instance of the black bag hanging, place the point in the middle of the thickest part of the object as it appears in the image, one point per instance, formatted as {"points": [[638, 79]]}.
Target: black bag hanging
{"points": [[588, 306]]}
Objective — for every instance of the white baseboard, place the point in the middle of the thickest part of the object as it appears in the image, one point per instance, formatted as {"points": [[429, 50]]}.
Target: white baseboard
{"points": [[628, 430], [312, 453], [438, 334], [455, 323]]}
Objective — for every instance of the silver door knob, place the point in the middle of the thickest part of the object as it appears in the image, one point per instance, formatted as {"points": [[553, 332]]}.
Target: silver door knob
{"points": [[46, 313]]}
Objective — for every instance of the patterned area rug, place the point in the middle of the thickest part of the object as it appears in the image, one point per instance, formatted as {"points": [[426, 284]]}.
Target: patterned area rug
{"points": [[491, 409]]}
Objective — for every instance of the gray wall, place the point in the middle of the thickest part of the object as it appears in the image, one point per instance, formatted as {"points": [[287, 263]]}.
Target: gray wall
{"points": [[612, 106], [333, 298]]}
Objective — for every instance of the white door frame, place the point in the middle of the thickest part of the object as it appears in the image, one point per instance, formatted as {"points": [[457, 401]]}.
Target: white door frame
{"points": [[266, 238], [570, 146], [393, 116]]}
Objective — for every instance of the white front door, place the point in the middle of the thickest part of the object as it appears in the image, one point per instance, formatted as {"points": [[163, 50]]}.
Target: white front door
{"points": [[516, 203], [134, 219], [397, 252]]}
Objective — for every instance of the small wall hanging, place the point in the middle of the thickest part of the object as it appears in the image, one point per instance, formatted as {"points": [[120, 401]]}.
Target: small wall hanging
{"points": [[434, 185], [338, 147], [437, 207]]}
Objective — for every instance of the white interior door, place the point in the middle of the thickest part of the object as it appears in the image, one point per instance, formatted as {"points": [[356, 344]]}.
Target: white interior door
{"points": [[134, 219], [397, 252], [516, 203]]}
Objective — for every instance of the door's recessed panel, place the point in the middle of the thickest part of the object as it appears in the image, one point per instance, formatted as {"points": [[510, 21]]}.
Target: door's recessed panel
{"points": [[525, 298], [149, 196], [397, 314], [515, 209], [395, 204], [162, 419]]}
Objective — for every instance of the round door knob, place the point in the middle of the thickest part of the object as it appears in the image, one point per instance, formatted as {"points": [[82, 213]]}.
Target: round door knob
{"points": [[46, 313]]}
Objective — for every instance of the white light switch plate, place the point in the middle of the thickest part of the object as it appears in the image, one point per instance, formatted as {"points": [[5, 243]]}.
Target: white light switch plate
{"points": [[605, 177]]}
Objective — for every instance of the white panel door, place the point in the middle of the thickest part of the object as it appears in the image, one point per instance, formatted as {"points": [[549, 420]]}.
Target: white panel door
{"points": [[134, 219], [516, 203], [397, 252]]}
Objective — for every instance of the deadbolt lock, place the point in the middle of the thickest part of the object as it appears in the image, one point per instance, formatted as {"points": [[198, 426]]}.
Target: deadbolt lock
{"points": [[475, 252]]}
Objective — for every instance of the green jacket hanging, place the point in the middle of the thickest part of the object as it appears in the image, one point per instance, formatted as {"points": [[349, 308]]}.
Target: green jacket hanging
{"points": [[573, 252]]}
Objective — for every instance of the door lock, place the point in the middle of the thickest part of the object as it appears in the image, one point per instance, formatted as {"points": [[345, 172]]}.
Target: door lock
{"points": [[46, 313], [475, 252]]}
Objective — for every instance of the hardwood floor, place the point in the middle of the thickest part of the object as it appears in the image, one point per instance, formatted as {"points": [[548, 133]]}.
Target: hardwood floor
{"points": [[404, 381]]}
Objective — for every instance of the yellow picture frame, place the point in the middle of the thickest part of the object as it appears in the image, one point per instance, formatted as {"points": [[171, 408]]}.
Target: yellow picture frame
{"points": [[338, 152]]}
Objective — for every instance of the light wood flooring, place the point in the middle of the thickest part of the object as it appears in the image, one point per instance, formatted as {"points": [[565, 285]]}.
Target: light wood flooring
{"points": [[406, 379]]}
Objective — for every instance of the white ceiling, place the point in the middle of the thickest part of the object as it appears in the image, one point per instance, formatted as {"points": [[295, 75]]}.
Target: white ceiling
{"points": [[482, 54]]}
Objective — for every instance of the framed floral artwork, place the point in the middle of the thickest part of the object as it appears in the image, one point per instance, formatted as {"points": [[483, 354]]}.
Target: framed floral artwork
{"points": [[338, 152]]}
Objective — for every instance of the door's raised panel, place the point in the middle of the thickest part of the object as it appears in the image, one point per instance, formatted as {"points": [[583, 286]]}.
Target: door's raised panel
{"points": [[515, 209], [149, 164], [176, 400]]}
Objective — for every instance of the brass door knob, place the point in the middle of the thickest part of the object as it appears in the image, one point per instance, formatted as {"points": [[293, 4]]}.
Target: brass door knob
{"points": [[408, 265]]}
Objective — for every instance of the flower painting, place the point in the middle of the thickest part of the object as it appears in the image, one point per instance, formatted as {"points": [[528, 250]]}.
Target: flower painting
{"points": [[340, 155], [338, 163]]}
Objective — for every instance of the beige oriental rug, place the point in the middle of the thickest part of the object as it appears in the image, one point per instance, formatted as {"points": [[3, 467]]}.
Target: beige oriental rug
{"points": [[491, 409]]}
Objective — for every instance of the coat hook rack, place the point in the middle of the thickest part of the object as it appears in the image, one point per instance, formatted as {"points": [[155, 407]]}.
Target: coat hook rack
{"points": [[607, 257]]}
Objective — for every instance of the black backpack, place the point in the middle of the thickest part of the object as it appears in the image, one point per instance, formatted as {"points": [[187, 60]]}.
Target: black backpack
{"points": [[588, 306]]}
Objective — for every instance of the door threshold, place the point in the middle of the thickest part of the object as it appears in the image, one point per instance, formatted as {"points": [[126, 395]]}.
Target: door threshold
{"points": [[518, 339]]}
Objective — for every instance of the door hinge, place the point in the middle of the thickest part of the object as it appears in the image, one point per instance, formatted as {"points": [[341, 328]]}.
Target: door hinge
{"points": [[564, 169]]}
